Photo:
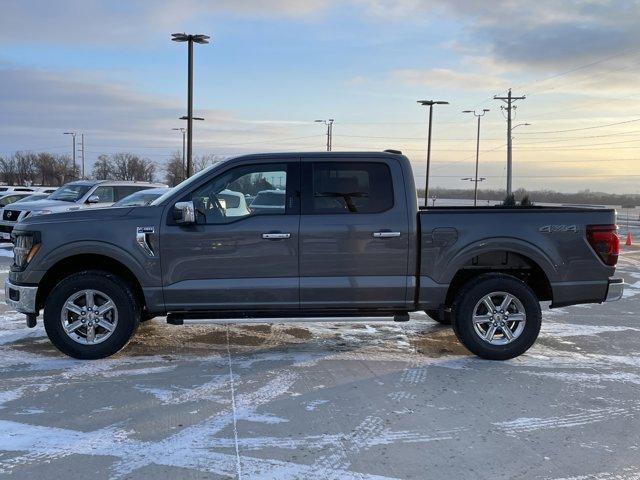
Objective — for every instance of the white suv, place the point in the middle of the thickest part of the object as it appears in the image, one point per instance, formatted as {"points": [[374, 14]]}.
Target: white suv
{"points": [[72, 196]]}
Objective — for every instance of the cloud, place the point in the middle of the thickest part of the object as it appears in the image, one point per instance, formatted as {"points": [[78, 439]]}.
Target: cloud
{"points": [[99, 22], [448, 79], [36, 106]]}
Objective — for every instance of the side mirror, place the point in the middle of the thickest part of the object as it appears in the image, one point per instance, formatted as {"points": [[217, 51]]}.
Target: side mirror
{"points": [[93, 199], [184, 213]]}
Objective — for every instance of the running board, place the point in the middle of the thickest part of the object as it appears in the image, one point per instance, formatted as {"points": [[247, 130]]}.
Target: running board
{"points": [[203, 319]]}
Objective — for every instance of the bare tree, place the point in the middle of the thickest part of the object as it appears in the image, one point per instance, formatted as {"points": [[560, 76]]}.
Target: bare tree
{"points": [[128, 166], [103, 168], [174, 170]]}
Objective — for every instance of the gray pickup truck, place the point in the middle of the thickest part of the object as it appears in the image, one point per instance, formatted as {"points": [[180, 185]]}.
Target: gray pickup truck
{"points": [[336, 236]]}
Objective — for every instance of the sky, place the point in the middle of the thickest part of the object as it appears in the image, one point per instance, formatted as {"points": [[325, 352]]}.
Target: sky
{"points": [[109, 70]]}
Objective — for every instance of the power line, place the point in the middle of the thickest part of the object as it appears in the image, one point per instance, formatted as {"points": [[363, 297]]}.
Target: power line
{"points": [[582, 128]]}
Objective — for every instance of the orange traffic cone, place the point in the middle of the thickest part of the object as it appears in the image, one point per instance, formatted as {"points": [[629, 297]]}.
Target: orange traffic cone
{"points": [[628, 242]]}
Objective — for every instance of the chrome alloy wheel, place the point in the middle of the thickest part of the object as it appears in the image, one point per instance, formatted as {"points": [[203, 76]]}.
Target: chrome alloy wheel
{"points": [[89, 317], [499, 318]]}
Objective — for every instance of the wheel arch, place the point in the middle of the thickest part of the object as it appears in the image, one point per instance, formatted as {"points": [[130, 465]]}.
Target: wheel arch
{"points": [[83, 262], [532, 267]]}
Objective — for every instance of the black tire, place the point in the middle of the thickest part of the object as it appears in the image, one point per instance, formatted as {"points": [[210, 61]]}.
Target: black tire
{"points": [[435, 315], [472, 293], [128, 311]]}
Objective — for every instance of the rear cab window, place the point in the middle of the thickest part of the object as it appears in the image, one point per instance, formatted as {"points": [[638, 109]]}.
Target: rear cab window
{"points": [[347, 188]]}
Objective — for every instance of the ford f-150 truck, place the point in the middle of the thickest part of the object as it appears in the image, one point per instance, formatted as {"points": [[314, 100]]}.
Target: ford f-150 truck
{"points": [[348, 240]]}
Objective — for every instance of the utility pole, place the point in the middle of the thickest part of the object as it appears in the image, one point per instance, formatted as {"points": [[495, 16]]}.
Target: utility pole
{"points": [[479, 116], [73, 135], [509, 100], [329, 124], [430, 103], [82, 140], [190, 39]]}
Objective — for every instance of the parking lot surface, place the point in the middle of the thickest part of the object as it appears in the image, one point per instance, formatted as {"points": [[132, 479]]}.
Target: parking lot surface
{"points": [[319, 400]]}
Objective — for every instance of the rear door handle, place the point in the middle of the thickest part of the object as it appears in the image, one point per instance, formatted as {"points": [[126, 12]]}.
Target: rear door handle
{"points": [[276, 236], [386, 234]]}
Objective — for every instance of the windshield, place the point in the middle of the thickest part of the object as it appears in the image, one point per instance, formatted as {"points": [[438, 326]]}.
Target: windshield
{"points": [[70, 193], [188, 181]]}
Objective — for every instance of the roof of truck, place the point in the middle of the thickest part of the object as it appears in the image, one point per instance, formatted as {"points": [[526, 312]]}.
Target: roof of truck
{"points": [[322, 154]]}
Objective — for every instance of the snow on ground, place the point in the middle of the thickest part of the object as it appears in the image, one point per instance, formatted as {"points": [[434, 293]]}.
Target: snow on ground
{"points": [[367, 400]]}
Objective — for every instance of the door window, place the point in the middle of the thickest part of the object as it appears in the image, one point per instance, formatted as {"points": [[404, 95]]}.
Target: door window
{"points": [[347, 187], [126, 190], [248, 190], [105, 194]]}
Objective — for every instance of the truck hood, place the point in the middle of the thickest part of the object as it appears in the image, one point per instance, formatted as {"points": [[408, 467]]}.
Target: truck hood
{"points": [[92, 215], [55, 205]]}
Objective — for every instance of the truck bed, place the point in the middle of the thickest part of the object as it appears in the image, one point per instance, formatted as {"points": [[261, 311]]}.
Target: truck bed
{"points": [[548, 242]]}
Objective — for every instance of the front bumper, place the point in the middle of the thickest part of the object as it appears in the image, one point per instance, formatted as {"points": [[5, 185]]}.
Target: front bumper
{"points": [[615, 290], [21, 298]]}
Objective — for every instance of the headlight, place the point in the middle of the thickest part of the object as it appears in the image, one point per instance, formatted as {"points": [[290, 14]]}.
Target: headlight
{"points": [[25, 246], [40, 212]]}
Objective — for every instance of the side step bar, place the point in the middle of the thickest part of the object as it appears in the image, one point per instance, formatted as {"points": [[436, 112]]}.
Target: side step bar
{"points": [[202, 318]]}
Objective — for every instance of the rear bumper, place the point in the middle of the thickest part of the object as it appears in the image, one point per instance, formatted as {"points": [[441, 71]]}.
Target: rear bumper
{"points": [[615, 290], [20, 297]]}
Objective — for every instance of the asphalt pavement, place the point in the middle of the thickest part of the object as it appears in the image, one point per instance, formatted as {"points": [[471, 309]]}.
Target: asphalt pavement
{"points": [[328, 401]]}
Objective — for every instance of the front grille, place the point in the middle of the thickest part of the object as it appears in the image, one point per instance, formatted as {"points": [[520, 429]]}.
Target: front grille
{"points": [[6, 228], [11, 215]]}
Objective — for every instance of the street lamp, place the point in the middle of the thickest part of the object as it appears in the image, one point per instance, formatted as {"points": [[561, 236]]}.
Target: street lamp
{"points": [[479, 116], [183, 131], [429, 103], [73, 135], [190, 39], [329, 124]]}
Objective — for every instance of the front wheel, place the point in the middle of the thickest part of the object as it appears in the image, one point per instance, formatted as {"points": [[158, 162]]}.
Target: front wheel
{"points": [[496, 316], [91, 314]]}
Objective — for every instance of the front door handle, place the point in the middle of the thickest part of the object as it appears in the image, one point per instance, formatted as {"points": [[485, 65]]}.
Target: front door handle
{"points": [[386, 234], [276, 236]]}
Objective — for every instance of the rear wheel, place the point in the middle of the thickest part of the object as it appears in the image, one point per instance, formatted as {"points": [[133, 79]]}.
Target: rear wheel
{"points": [[435, 315], [91, 314], [497, 316]]}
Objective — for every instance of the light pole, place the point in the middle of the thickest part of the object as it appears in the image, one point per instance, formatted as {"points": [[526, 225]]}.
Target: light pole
{"points": [[73, 136], [184, 166], [430, 103], [190, 39], [479, 116], [329, 124]]}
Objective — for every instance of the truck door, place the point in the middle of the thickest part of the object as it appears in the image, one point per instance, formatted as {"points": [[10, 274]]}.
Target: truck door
{"points": [[236, 257], [353, 234]]}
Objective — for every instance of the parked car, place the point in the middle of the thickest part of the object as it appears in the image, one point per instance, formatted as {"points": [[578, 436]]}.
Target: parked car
{"points": [[234, 203], [268, 201], [141, 198], [348, 240], [12, 197], [33, 197], [47, 190], [12, 188], [73, 196]]}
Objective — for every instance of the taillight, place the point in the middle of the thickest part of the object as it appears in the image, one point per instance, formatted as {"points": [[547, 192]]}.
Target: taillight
{"points": [[605, 242]]}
